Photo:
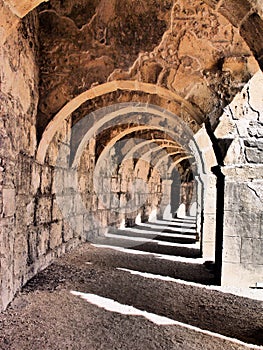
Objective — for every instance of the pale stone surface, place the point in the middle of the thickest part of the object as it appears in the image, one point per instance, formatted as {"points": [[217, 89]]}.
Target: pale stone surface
{"points": [[232, 249], [243, 276], [43, 240], [55, 235], [9, 202]]}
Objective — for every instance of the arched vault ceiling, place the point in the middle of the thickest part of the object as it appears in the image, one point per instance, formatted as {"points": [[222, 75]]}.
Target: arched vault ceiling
{"points": [[188, 47], [176, 109]]}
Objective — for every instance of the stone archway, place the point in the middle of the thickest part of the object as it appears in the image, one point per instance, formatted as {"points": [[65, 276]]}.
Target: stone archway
{"points": [[28, 181], [154, 116], [103, 89]]}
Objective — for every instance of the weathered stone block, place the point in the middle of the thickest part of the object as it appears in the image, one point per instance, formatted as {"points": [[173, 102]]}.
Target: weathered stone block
{"points": [[104, 201], [88, 224], [35, 177], [43, 210], [124, 185], [23, 175], [240, 198], [43, 233], [55, 235], [232, 249], [59, 155], [235, 154], [52, 155], [7, 283], [56, 214], [66, 204], [247, 251], [58, 181], [77, 224], [9, 202], [255, 129], [103, 218], [46, 180], [254, 155], [20, 255], [246, 224], [115, 184], [115, 202], [25, 212], [68, 232], [241, 275], [32, 242], [258, 251], [79, 207]]}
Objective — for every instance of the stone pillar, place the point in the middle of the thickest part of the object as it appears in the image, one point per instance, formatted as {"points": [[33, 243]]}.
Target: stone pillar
{"points": [[209, 216], [206, 197], [199, 206], [242, 260], [165, 205]]}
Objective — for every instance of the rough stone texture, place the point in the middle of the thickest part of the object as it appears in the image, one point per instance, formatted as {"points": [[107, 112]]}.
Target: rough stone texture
{"points": [[242, 246], [75, 44], [184, 46], [19, 81], [80, 39], [31, 229], [242, 123]]}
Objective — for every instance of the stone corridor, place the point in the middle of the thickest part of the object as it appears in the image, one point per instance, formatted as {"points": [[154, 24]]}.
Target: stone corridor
{"points": [[131, 169]]}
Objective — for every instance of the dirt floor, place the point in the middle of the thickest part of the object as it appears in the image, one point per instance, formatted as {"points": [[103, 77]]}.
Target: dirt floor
{"points": [[46, 315]]}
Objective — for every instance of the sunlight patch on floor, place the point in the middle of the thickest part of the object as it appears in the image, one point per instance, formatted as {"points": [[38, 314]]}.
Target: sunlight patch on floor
{"points": [[114, 306]]}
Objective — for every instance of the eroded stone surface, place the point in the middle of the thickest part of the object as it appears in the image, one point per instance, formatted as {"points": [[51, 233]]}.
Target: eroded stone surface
{"points": [[184, 46], [81, 42]]}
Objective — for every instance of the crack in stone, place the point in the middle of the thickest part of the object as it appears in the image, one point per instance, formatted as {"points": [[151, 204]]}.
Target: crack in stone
{"points": [[250, 106], [257, 195]]}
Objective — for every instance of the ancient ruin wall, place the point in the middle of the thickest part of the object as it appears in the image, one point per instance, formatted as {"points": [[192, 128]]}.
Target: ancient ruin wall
{"points": [[32, 232], [19, 174], [242, 123]]}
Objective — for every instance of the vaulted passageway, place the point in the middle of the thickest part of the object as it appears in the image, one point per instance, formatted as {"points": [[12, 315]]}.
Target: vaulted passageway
{"points": [[135, 125]]}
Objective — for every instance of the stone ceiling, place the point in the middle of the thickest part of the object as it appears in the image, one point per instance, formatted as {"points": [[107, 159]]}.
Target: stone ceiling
{"points": [[182, 45]]}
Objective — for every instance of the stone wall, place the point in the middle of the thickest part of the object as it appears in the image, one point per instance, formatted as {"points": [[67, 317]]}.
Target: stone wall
{"points": [[19, 174], [32, 230], [242, 123]]}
